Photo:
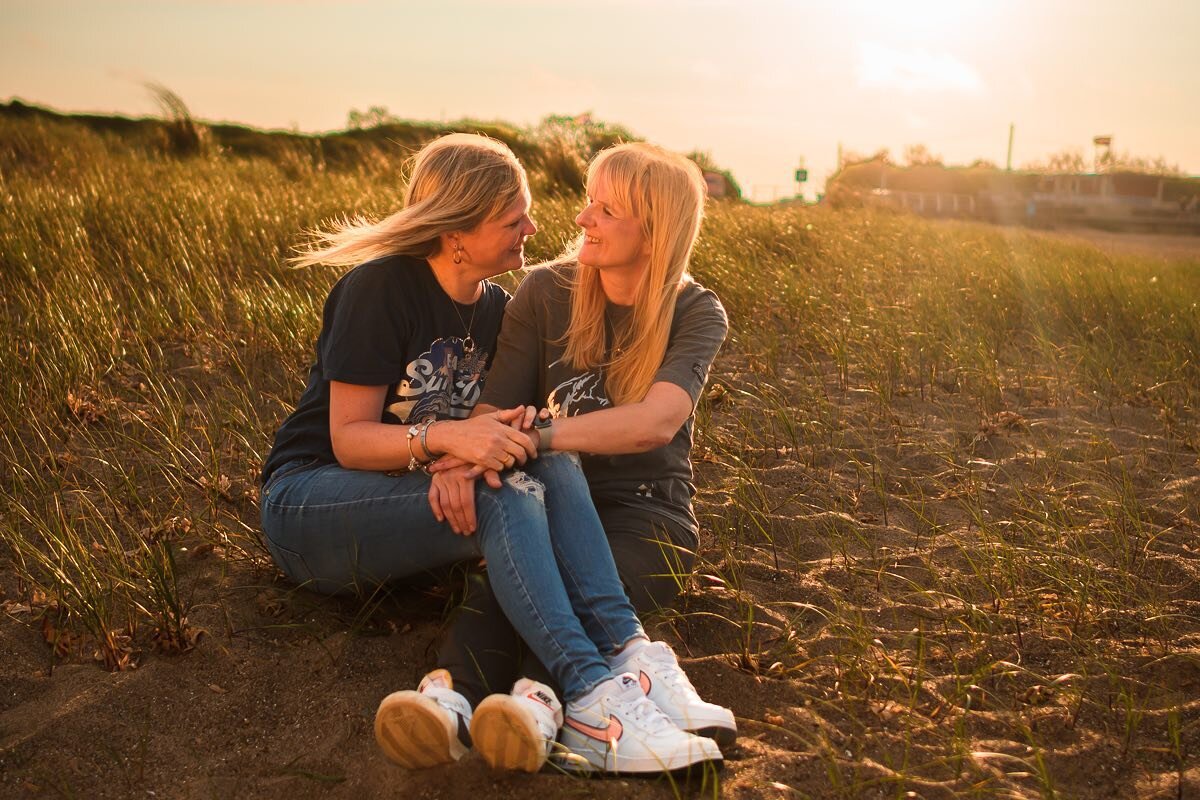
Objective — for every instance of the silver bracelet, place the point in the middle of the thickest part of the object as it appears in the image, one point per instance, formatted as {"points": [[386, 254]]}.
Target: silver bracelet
{"points": [[425, 432]]}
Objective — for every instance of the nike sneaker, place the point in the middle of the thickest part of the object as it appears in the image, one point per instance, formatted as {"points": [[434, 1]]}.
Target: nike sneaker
{"points": [[426, 727], [663, 681], [616, 728], [517, 730]]}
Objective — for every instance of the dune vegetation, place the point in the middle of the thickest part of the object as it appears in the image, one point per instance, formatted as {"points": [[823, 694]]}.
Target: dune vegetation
{"points": [[948, 485]]}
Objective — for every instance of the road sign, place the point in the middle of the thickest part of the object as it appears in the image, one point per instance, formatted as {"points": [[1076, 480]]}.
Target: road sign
{"points": [[801, 175]]}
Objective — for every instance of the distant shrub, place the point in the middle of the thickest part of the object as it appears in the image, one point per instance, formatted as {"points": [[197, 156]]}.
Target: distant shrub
{"points": [[555, 152], [182, 135]]}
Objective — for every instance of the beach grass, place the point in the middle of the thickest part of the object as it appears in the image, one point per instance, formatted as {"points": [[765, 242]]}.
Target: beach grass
{"points": [[949, 487]]}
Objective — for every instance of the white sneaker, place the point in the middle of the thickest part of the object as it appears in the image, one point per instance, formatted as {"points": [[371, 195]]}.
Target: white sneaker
{"points": [[663, 681], [616, 728], [426, 727], [517, 730]]}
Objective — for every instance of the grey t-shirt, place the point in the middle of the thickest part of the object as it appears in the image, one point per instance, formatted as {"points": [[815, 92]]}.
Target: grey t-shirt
{"points": [[529, 369]]}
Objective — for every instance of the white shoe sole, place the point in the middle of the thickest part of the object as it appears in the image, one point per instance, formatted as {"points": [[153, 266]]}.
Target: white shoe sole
{"points": [[717, 724], [506, 735], [710, 720], [415, 732], [588, 755]]}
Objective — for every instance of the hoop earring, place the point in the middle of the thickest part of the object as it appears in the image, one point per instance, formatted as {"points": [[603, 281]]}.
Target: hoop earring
{"points": [[457, 252]]}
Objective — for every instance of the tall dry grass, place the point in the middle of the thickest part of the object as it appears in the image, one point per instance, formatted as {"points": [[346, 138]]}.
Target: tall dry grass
{"points": [[852, 448]]}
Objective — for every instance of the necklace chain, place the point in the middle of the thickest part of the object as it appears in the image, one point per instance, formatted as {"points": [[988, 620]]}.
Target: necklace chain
{"points": [[469, 341], [610, 336]]}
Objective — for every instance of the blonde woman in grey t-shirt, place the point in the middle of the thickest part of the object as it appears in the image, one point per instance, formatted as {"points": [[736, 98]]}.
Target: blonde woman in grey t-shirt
{"points": [[613, 341]]}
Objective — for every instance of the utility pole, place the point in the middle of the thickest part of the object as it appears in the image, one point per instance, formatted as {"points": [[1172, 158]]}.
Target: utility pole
{"points": [[1008, 164]]}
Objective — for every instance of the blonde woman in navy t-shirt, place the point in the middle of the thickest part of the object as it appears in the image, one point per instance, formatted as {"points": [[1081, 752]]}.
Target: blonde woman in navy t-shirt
{"points": [[404, 351]]}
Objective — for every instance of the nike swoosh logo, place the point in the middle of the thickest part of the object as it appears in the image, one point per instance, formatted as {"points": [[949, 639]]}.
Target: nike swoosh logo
{"points": [[609, 734]]}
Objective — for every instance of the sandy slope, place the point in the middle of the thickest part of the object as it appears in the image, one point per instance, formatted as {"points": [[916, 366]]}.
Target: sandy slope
{"points": [[834, 692]]}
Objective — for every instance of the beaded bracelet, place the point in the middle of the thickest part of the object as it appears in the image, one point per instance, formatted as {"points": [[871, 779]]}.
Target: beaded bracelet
{"points": [[412, 457]]}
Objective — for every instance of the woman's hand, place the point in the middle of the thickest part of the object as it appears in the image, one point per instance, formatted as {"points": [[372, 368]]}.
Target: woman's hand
{"points": [[535, 436], [452, 498], [525, 422], [490, 441], [454, 462]]}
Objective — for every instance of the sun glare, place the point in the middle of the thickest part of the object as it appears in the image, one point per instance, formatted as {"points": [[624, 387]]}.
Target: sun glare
{"points": [[920, 21], [881, 67]]}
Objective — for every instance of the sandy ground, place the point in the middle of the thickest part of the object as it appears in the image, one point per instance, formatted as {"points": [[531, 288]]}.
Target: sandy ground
{"points": [[810, 634]]}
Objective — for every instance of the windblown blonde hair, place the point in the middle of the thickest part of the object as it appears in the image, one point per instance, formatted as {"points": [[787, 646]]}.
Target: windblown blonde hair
{"points": [[458, 181], [665, 192]]}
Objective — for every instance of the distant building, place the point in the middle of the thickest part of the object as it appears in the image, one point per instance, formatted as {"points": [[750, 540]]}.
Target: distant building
{"points": [[716, 183], [1118, 200]]}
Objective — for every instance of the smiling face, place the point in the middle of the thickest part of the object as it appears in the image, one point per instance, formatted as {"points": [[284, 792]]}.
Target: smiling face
{"points": [[497, 245], [613, 236]]}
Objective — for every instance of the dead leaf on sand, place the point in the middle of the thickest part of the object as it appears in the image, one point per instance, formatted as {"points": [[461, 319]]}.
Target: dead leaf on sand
{"points": [[88, 409], [1001, 421], [174, 640]]}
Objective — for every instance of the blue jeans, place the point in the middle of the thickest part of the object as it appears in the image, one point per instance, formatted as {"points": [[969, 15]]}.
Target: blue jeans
{"points": [[337, 530]]}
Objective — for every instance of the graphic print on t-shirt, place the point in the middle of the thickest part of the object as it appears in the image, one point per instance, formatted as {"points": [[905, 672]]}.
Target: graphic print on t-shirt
{"points": [[577, 395], [442, 382]]}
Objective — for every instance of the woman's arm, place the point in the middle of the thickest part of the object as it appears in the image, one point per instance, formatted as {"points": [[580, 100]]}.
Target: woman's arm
{"points": [[653, 421], [631, 428], [361, 441], [698, 331]]}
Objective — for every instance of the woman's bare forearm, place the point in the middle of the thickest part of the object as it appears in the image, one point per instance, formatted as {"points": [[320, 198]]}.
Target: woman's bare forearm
{"points": [[630, 428]]}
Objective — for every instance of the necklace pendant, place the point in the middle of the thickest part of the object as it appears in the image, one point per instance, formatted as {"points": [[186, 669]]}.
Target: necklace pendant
{"points": [[468, 345]]}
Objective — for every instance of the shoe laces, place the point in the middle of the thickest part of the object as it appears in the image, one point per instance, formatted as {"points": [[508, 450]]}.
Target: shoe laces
{"points": [[648, 715], [668, 671]]}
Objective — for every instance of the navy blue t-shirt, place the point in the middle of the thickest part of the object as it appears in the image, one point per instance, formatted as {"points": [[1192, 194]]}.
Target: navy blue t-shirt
{"points": [[389, 323]]}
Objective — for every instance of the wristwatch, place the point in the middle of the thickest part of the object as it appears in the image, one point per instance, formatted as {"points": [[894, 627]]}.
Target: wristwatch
{"points": [[545, 431]]}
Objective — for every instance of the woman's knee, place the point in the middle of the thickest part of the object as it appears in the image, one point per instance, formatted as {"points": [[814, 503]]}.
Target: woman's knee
{"points": [[519, 502], [559, 465], [528, 485], [560, 475], [311, 572]]}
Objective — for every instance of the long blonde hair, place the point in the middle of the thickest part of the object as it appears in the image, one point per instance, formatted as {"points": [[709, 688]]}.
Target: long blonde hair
{"points": [[665, 192], [458, 181]]}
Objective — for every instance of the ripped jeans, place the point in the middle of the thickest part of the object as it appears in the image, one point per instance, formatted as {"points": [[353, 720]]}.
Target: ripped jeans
{"points": [[337, 531]]}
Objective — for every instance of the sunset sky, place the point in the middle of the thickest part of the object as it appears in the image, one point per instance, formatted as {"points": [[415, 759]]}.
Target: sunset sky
{"points": [[760, 85]]}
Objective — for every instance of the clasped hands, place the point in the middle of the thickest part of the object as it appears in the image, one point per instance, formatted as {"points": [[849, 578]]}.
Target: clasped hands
{"points": [[486, 450]]}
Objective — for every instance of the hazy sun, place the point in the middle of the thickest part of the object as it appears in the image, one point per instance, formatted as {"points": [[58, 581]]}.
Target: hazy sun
{"points": [[920, 21]]}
